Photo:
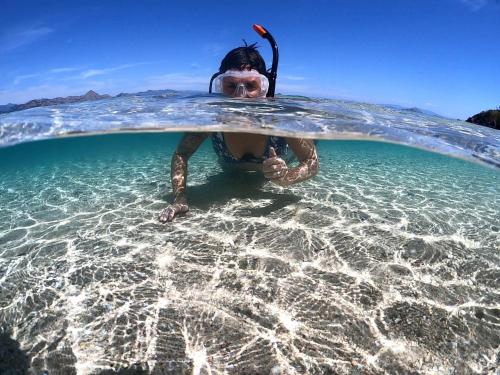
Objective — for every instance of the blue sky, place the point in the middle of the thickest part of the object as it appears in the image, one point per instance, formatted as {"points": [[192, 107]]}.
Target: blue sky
{"points": [[440, 55]]}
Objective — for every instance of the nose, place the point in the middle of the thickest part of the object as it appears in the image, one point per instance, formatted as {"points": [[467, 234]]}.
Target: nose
{"points": [[240, 91]]}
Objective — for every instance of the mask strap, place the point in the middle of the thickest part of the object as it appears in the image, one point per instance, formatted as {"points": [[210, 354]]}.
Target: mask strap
{"points": [[211, 81]]}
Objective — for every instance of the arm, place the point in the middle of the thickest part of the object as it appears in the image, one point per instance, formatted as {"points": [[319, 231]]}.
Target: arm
{"points": [[277, 171], [178, 170]]}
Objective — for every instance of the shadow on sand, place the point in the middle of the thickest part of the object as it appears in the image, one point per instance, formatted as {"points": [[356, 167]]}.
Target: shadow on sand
{"points": [[236, 184], [13, 360]]}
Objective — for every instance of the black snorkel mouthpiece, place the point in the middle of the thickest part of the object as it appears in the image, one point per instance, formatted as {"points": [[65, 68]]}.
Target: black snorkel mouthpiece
{"points": [[273, 72]]}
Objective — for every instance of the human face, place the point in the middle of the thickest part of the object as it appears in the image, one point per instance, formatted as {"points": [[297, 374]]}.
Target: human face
{"points": [[242, 84], [242, 87]]}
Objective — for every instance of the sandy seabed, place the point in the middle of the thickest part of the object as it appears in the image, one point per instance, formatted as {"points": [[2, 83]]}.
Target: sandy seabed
{"points": [[386, 262]]}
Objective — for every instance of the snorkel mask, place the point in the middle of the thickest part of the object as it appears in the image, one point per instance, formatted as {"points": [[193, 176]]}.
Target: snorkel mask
{"points": [[241, 82]]}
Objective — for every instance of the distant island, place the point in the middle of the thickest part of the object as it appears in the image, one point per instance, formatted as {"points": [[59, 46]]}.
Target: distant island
{"points": [[489, 118], [91, 95]]}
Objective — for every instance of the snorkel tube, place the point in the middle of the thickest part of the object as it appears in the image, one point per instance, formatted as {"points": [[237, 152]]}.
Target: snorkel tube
{"points": [[273, 73]]}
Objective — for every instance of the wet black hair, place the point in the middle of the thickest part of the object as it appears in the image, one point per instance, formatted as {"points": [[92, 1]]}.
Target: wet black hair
{"points": [[246, 57]]}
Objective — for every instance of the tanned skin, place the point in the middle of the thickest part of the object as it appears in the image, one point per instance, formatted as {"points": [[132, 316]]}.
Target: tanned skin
{"points": [[276, 170], [273, 168], [178, 171]]}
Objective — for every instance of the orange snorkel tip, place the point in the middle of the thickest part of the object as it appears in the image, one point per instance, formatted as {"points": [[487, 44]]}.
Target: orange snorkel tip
{"points": [[260, 30]]}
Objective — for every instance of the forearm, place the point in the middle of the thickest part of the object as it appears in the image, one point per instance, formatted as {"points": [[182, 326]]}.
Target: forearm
{"points": [[179, 176], [305, 170], [308, 167], [179, 165]]}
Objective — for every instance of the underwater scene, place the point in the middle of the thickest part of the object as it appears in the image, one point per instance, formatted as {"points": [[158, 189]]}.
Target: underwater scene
{"points": [[387, 261]]}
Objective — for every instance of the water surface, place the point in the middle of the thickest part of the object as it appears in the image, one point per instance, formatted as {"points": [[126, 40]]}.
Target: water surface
{"points": [[168, 110]]}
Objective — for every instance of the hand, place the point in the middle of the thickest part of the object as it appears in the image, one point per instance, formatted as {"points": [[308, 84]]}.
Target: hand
{"points": [[171, 211], [274, 167]]}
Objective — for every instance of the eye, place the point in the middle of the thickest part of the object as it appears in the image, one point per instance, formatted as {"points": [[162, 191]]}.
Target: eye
{"points": [[251, 86]]}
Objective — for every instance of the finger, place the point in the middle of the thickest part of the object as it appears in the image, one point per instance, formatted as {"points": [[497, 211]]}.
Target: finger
{"points": [[171, 214], [272, 176], [181, 208], [267, 162], [275, 167], [272, 152], [272, 161], [163, 216], [272, 168], [276, 174]]}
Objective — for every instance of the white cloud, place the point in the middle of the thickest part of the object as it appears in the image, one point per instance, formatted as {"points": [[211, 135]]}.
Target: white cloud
{"points": [[17, 38], [24, 77], [293, 78], [475, 4], [62, 70], [178, 81], [44, 76], [293, 88], [99, 72], [214, 49]]}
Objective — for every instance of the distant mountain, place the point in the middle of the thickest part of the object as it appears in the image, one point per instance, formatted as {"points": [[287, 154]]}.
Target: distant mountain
{"points": [[146, 93], [413, 109], [489, 118], [91, 95], [7, 108], [423, 111]]}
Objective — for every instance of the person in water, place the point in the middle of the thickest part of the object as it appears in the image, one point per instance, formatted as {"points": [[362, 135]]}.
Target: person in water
{"points": [[242, 74]]}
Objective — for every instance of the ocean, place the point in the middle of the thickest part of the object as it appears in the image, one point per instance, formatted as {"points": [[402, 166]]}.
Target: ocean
{"points": [[387, 261]]}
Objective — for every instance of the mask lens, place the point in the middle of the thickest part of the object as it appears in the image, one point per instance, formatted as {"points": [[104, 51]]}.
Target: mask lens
{"points": [[253, 87], [229, 86], [242, 84]]}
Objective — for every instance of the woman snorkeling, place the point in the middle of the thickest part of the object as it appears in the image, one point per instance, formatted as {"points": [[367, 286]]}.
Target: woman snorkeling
{"points": [[243, 74]]}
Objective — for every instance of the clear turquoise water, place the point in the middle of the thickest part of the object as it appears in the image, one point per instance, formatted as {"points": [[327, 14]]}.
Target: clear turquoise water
{"points": [[387, 261]]}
